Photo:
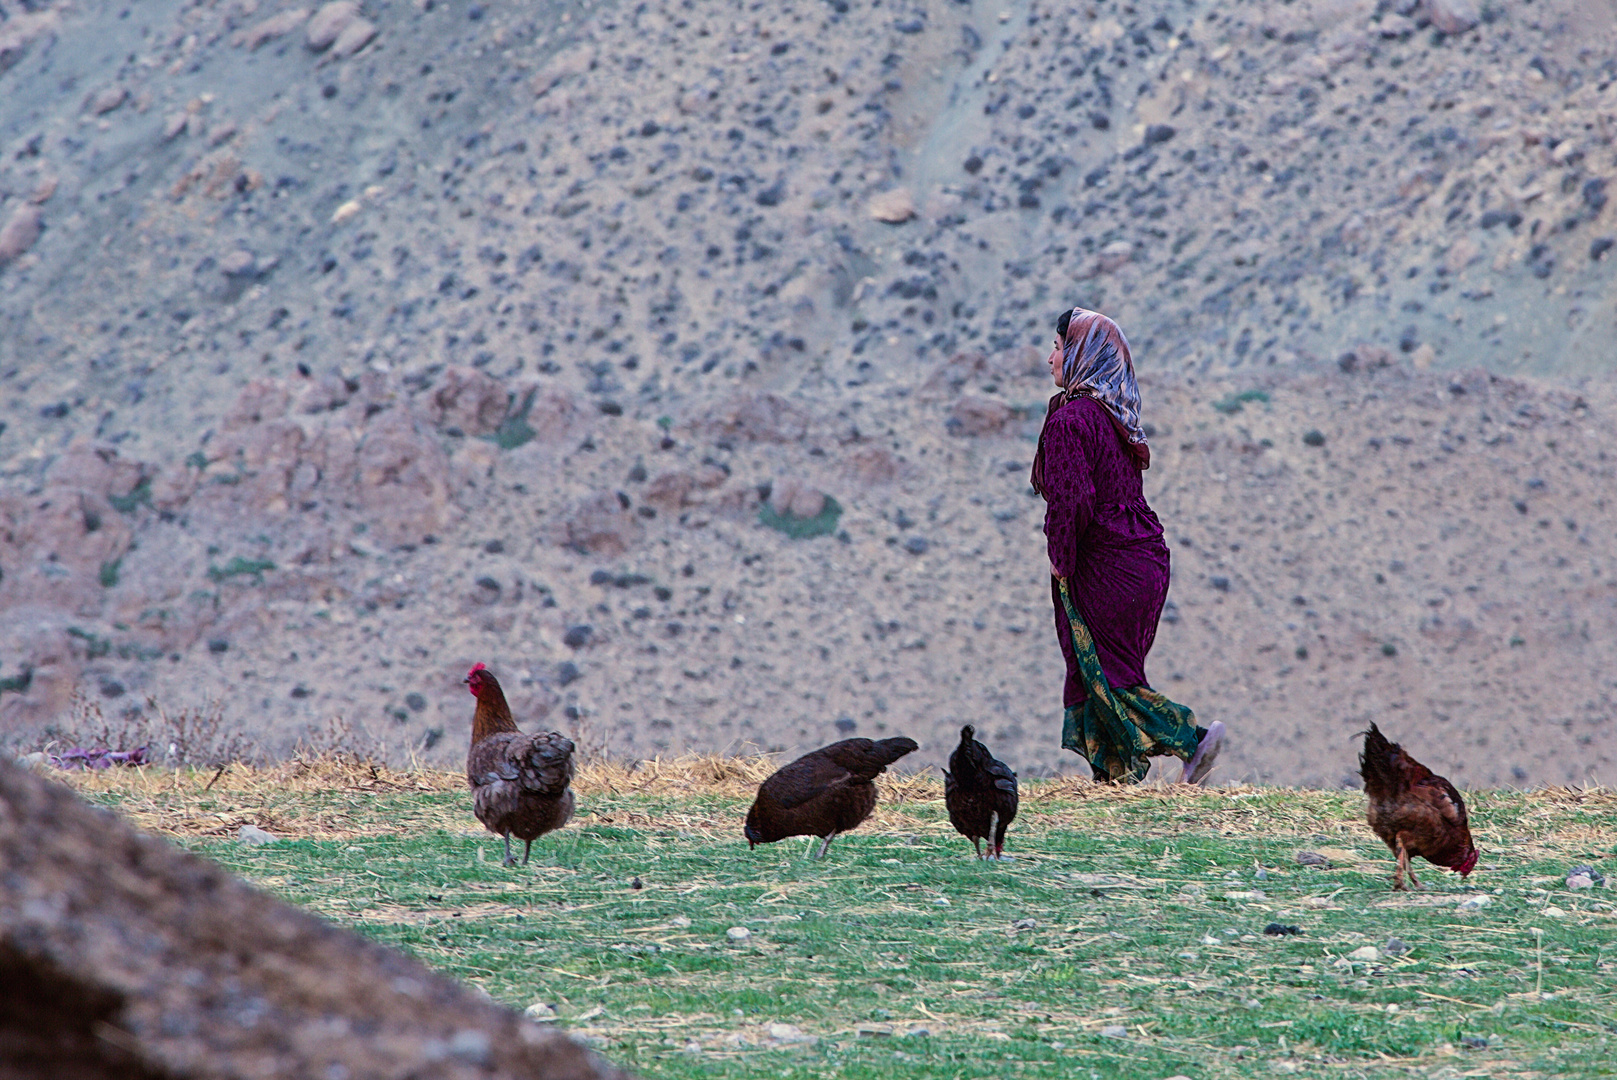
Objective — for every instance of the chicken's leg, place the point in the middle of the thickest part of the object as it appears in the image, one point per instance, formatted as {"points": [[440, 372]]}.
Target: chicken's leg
{"points": [[1403, 868], [978, 844], [826, 845], [510, 859], [526, 850], [993, 824]]}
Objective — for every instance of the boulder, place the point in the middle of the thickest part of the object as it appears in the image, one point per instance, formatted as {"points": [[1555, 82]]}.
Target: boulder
{"points": [[127, 957]]}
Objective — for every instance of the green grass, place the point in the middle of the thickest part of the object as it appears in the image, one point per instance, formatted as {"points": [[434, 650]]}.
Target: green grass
{"points": [[822, 524], [900, 956]]}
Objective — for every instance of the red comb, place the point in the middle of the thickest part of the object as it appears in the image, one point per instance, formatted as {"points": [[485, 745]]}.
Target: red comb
{"points": [[479, 666]]}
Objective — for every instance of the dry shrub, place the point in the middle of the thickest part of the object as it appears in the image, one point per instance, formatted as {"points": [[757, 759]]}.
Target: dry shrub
{"points": [[198, 738]]}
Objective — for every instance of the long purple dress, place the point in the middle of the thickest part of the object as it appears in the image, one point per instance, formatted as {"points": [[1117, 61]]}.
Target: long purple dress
{"points": [[1105, 541]]}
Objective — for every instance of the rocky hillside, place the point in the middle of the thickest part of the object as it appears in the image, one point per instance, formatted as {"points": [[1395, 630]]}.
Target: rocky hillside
{"points": [[682, 362]]}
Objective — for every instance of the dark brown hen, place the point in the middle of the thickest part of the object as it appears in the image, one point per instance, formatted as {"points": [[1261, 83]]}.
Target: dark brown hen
{"points": [[822, 793], [1414, 811], [519, 782], [980, 792]]}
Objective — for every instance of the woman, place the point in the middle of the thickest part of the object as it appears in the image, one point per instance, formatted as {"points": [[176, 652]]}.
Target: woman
{"points": [[1108, 561]]}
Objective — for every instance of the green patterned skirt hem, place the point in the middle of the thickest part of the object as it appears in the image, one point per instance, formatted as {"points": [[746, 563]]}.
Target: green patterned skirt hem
{"points": [[1119, 731]]}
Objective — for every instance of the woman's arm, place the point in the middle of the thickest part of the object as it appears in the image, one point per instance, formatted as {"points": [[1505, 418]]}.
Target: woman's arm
{"points": [[1069, 478]]}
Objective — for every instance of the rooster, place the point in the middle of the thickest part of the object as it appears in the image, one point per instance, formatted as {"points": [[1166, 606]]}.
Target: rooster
{"points": [[980, 793], [822, 793], [1413, 810], [519, 782]]}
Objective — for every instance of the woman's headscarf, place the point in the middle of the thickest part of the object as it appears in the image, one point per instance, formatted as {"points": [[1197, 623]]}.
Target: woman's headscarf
{"points": [[1096, 363]]}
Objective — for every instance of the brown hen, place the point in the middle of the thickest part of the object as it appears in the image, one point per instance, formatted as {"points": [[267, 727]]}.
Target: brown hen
{"points": [[519, 782], [1414, 811], [822, 793]]}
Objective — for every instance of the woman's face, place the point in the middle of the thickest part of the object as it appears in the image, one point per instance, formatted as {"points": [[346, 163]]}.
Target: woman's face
{"points": [[1055, 362]]}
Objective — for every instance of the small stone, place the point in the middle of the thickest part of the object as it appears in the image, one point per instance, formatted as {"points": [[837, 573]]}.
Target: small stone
{"points": [[941, 901], [567, 673], [1476, 903], [846, 725], [1114, 1031], [1396, 947], [918, 1033], [345, 212], [738, 935], [218, 645], [917, 545], [1554, 912], [789, 1033], [1368, 954], [329, 23], [1312, 858], [1451, 16], [578, 636], [893, 207], [1590, 875], [680, 921], [1025, 924], [1474, 1042], [19, 232], [1209, 939], [415, 701], [540, 1012], [1275, 929], [253, 836], [636, 883], [238, 264], [354, 37], [108, 100], [1159, 133], [1313, 438]]}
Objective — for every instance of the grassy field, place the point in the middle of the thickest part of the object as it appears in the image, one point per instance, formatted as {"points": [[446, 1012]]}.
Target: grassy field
{"points": [[1125, 938]]}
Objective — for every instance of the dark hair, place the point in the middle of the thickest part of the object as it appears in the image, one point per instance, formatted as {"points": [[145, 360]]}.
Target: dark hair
{"points": [[1061, 323]]}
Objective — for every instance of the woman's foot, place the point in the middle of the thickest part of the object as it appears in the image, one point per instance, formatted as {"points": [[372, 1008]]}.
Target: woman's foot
{"points": [[1201, 763]]}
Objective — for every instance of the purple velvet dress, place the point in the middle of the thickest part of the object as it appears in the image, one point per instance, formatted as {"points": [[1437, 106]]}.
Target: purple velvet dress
{"points": [[1105, 541]]}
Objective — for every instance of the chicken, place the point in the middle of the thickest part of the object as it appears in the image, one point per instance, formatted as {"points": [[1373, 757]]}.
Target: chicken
{"points": [[980, 793], [519, 782], [822, 793], [1414, 811]]}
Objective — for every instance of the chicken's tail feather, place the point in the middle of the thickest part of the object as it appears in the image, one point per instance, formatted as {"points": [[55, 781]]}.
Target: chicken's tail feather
{"points": [[887, 751], [1378, 765]]}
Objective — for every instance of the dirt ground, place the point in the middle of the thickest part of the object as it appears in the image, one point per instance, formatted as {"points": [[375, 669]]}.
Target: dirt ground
{"points": [[341, 349]]}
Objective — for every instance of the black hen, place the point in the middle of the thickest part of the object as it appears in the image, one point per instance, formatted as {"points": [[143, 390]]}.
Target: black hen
{"points": [[980, 793], [822, 793]]}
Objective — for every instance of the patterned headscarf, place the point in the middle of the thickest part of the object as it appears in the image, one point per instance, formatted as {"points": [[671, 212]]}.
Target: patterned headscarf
{"points": [[1096, 363]]}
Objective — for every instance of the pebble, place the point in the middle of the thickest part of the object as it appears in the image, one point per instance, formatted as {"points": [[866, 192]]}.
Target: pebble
{"points": [[1025, 924], [19, 232], [893, 207], [1584, 877], [918, 1033], [329, 23], [1312, 858], [1475, 903], [540, 1012], [1395, 947], [941, 901], [1114, 1031], [578, 636], [1367, 953], [738, 935], [680, 921], [253, 836], [1275, 929], [917, 545], [789, 1033]]}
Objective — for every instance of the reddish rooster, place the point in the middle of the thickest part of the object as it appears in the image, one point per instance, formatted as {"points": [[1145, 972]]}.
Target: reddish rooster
{"points": [[1414, 811], [519, 782], [980, 793], [823, 793]]}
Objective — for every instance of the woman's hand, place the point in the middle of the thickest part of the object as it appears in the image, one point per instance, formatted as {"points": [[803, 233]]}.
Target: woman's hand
{"points": [[1053, 571]]}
